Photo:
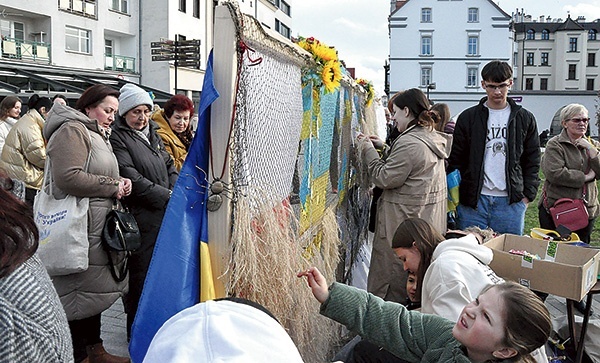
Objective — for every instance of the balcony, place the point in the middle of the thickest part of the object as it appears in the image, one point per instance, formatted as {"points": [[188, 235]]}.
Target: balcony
{"points": [[25, 50], [119, 63]]}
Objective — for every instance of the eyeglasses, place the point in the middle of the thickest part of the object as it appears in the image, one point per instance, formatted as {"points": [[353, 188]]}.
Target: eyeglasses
{"points": [[577, 120], [501, 86]]}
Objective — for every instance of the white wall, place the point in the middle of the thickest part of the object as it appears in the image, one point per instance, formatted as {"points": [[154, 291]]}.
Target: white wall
{"points": [[449, 31]]}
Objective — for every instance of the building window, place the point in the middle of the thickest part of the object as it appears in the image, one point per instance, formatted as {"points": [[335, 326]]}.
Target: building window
{"points": [[572, 71], [591, 60], [426, 15], [515, 59], [108, 47], [425, 76], [544, 84], [592, 34], [85, 8], [572, 44], [120, 6], [472, 73], [196, 9], [12, 29], [282, 29], [426, 46], [590, 84], [77, 40], [529, 59], [284, 7], [528, 83], [473, 45], [530, 34], [473, 15], [545, 34], [544, 59], [182, 4]]}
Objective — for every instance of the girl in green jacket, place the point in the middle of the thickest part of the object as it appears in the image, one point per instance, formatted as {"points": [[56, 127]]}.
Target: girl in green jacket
{"points": [[505, 323]]}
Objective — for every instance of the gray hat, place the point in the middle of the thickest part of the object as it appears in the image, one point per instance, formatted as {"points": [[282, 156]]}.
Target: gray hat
{"points": [[131, 97]]}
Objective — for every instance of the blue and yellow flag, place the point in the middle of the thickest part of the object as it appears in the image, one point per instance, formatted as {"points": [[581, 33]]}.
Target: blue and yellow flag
{"points": [[180, 274]]}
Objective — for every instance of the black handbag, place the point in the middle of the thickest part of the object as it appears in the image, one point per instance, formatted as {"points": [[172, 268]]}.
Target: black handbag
{"points": [[121, 234]]}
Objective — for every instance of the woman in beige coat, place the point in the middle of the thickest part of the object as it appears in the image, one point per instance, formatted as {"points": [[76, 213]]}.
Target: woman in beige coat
{"points": [[24, 153], [413, 178], [73, 136]]}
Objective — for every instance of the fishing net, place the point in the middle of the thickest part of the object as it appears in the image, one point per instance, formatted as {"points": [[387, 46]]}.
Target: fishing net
{"points": [[299, 195]]}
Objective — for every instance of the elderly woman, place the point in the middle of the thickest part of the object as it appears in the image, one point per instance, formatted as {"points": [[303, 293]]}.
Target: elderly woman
{"points": [[142, 158], [24, 152], [175, 129], [571, 167], [74, 137], [10, 111]]}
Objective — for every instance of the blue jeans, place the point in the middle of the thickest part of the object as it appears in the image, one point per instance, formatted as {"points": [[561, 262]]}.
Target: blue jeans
{"points": [[495, 213]]}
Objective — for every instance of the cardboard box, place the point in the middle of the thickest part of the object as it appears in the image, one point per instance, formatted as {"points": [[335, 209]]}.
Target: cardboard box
{"points": [[563, 270]]}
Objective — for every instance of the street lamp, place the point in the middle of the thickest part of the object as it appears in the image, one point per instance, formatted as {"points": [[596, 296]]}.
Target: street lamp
{"points": [[429, 87]]}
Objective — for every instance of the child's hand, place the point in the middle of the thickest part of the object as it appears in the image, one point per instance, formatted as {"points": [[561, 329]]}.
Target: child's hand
{"points": [[317, 283]]}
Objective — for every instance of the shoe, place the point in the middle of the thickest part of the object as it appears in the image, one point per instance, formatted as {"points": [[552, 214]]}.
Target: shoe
{"points": [[580, 306], [97, 354]]}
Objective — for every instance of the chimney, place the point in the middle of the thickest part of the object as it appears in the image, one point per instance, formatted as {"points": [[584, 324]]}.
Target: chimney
{"points": [[541, 18]]}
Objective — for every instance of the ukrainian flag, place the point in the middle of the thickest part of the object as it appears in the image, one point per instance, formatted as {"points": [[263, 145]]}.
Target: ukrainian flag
{"points": [[180, 274]]}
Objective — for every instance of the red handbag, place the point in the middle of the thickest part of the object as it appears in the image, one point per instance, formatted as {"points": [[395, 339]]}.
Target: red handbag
{"points": [[571, 213]]}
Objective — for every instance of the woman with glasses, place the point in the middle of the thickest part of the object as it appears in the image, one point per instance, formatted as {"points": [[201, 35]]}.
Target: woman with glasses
{"points": [[143, 159], [571, 167]]}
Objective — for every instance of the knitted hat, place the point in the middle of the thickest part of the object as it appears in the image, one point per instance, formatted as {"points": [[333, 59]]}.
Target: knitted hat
{"points": [[131, 97]]}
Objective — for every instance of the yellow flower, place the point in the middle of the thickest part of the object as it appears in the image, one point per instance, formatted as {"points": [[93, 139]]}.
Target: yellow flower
{"points": [[324, 52], [331, 75]]}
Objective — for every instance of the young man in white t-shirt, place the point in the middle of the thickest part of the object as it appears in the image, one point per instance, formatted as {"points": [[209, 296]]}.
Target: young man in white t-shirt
{"points": [[496, 149]]}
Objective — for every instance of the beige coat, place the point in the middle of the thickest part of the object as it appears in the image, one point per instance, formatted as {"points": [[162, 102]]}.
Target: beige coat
{"points": [[413, 179], [24, 152], [90, 292]]}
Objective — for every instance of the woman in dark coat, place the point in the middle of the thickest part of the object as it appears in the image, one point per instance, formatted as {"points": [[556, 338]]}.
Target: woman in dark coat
{"points": [[143, 159]]}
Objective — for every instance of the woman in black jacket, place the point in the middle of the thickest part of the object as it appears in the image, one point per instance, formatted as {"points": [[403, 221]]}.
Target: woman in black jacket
{"points": [[143, 159]]}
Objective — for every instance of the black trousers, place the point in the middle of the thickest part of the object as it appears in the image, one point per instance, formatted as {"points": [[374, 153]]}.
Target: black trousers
{"points": [[84, 332]]}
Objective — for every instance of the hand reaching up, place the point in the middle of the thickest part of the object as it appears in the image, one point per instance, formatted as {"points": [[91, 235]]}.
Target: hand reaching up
{"points": [[317, 283]]}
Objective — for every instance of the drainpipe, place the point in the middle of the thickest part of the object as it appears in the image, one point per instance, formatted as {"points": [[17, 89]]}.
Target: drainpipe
{"points": [[140, 39]]}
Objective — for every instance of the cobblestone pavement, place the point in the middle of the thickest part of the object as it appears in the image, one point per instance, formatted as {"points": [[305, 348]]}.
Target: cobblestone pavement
{"points": [[114, 331]]}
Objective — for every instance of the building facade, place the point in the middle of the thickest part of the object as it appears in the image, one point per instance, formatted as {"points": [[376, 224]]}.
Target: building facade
{"points": [[556, 55], [64, 46], [444, 44]]}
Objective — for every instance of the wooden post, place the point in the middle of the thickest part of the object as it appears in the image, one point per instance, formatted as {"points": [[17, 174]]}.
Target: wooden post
{"points": [[225, 69]]}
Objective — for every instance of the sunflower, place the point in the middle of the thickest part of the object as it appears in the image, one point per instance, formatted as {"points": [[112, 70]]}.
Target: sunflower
{"points": [[331, 75], [368, 87], [323, 53], [327, 68]]}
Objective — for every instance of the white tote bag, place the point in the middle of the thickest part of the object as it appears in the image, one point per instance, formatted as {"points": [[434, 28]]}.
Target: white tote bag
{"points": [[62, 224]]}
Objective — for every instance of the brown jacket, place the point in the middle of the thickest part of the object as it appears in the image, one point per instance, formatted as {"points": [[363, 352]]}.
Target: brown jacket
{"points": [[564, 166], [90, 292]]}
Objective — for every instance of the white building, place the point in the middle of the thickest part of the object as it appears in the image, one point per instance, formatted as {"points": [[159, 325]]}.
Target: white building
{"points": [[446, 43], [556, 55], [65, 46]]}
